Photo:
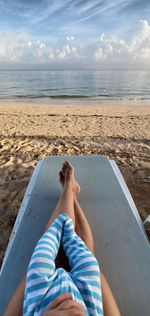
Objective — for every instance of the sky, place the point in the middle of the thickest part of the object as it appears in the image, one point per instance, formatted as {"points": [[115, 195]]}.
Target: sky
{"points": [[75, 34]]}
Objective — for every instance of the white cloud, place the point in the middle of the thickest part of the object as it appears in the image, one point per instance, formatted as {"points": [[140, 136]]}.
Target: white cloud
{"points": [[70, 38], [99, 54], [137, 49], [22, 48], [29, 44], [68, 51]]}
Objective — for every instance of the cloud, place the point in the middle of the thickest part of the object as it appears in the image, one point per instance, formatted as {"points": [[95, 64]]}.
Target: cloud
{"points": [[137, 49], [67, 52], [70, 38], [68, 49], [22, 48]]}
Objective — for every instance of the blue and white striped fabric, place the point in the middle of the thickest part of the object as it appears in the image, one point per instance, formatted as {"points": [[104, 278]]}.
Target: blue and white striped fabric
{"points": [[44, 282]]}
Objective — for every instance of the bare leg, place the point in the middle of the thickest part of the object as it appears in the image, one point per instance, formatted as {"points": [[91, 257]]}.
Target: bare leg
{"points": [[16, 304], [83, 229], [66, 201], [82, 226], [65, 204]]}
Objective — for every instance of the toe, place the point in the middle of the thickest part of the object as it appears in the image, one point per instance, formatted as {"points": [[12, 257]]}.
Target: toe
{"points": [[65, 165], [67, 168], [70, 166], [64, 169]]}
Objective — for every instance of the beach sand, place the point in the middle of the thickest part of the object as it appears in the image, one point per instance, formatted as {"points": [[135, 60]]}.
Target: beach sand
{"points": [[29, 132]]}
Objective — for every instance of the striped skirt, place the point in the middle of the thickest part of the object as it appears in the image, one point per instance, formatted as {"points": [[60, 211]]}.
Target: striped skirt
{"points": [[44, 282]]}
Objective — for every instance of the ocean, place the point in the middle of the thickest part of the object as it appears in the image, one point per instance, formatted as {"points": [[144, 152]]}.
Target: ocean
{"points": [[46, 86]]}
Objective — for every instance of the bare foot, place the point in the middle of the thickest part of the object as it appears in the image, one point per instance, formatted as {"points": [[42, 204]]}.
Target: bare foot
{"points": [[66, 177]]}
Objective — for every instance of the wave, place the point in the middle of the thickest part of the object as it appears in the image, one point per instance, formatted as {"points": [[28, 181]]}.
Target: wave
{"points": [[51, 96], [100, 97], [95, 97]]}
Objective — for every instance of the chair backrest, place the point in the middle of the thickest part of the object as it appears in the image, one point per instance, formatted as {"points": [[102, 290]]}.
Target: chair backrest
{"points": [[121, 246]]}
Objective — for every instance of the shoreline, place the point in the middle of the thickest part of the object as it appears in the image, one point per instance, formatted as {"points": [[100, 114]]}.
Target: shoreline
{"points": [[29, 132], [88, 101]]}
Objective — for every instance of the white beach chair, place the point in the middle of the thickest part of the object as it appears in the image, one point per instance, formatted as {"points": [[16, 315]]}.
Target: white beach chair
{"points": [[121, 245]]}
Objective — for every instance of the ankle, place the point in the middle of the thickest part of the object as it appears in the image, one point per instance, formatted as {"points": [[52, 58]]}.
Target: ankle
{"points": [[68, 188]]}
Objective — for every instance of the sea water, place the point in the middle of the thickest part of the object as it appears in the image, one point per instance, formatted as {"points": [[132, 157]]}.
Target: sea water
{"points": [[74, 86]]}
